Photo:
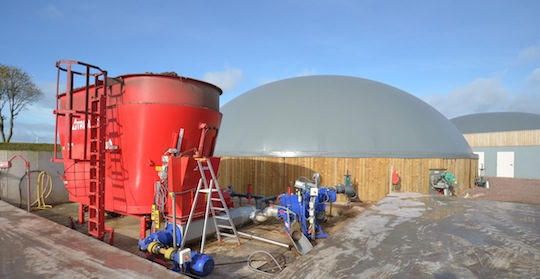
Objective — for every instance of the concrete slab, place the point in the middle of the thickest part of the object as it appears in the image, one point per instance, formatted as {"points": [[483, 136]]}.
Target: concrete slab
{"points": [[33, 247], [414, 236]]}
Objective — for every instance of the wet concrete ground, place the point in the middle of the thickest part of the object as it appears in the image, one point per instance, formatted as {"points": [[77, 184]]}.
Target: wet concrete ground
{"points": [[33, 247], [231, 259], [415, 236], [126, 228]]}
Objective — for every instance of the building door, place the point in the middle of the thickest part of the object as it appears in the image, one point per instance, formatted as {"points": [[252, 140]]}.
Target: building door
{"points": [[505, 164], [481, 164]]}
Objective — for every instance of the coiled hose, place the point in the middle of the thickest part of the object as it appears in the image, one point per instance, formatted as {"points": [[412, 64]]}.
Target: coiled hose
{"points": [[43, 189]]}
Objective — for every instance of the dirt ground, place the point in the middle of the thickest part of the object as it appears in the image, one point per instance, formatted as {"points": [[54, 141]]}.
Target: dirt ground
{"points": [[230, 259], [507, 189]]}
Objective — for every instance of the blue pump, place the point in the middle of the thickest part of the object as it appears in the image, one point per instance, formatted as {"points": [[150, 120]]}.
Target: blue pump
{"points": [[301, 210], [164, 237], [161, 242]]}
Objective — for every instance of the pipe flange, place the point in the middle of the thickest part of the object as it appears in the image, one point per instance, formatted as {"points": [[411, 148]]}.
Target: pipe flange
{"points": [[169, 253], [153, 247]]}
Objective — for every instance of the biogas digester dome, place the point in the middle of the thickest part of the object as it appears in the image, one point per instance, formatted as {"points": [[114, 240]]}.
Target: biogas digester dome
{"points": [[330, 119], [336, 116]]}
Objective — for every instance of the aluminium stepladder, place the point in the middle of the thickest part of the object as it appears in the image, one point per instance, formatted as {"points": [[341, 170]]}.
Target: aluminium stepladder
{"points": [[207, 189]]}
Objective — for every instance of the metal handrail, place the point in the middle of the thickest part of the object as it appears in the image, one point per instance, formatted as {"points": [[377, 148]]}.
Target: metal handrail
{"points": [[69, 112]]}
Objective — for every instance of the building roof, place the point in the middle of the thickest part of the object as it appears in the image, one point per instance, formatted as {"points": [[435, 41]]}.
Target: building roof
{"points": [[497, 122], [335, 116]]}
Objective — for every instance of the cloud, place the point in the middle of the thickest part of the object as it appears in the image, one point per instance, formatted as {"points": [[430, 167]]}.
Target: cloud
{"points": [[303, 73], [49, 94], [32, 132], [264, 81], [307, 72], [534, 78], [480, 95], [530, 53], [50, 11], [227, 80], [36, 121], [525, 102], [487, 95]]}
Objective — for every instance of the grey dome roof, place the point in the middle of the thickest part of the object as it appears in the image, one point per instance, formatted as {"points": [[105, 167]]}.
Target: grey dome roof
{"points": [[497, 122], [335, 116]]}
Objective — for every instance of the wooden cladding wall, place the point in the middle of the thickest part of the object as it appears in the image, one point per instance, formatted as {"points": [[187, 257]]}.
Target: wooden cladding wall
{"points": [[370, 176], [511, 138]]}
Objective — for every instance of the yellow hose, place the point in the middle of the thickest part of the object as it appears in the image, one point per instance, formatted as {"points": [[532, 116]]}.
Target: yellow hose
{"points": [[43, 190]]}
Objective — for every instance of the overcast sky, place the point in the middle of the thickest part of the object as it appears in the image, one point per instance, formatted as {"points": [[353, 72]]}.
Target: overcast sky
{"points": [[460, 56]]}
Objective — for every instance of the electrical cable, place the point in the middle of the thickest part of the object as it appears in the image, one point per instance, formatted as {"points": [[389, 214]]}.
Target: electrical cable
{"points": [[160, 196], [228, 263], [250, 260]]}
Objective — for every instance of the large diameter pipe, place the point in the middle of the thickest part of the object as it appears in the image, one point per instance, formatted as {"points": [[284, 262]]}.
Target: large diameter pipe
{"points": [[347, 190], [239, 216], [261, 216]]}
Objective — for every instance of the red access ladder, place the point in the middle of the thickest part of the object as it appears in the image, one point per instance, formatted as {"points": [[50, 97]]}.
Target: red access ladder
{"points": [[96, 190], [94, 113]]}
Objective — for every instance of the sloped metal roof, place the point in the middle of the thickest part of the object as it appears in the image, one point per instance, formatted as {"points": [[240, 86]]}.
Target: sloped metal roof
{"points": [[497, 122], [335, 116]]}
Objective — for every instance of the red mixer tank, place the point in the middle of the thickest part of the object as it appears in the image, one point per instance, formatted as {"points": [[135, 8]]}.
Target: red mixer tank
{"points": [[146, 114]]}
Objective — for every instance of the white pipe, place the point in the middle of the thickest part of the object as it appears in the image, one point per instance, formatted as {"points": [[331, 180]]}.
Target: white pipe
{"points": [[262, 216], [250, 236]]}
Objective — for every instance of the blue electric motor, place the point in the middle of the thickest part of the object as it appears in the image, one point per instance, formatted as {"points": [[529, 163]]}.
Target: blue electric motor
{"points": [[161, 243], [201, 264]]}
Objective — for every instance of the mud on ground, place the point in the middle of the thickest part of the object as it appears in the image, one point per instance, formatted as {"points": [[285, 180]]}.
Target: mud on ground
{"points": [[507, 189], [231, 259]]}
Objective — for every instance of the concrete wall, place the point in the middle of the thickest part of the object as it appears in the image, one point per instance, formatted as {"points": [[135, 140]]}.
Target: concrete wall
{"points": [[526, 160], [14, 178]]}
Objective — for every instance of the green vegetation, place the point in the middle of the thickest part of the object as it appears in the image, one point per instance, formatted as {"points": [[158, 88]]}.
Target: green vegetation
{"points": [[28, 146]]}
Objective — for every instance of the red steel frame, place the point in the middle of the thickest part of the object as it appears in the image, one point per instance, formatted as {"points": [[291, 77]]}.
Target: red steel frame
{"points": [[97, 93], [95, 112], [70, 113]]}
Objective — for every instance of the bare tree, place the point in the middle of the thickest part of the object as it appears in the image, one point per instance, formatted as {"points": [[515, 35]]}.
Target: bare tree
{"points": [[16, 91]]}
